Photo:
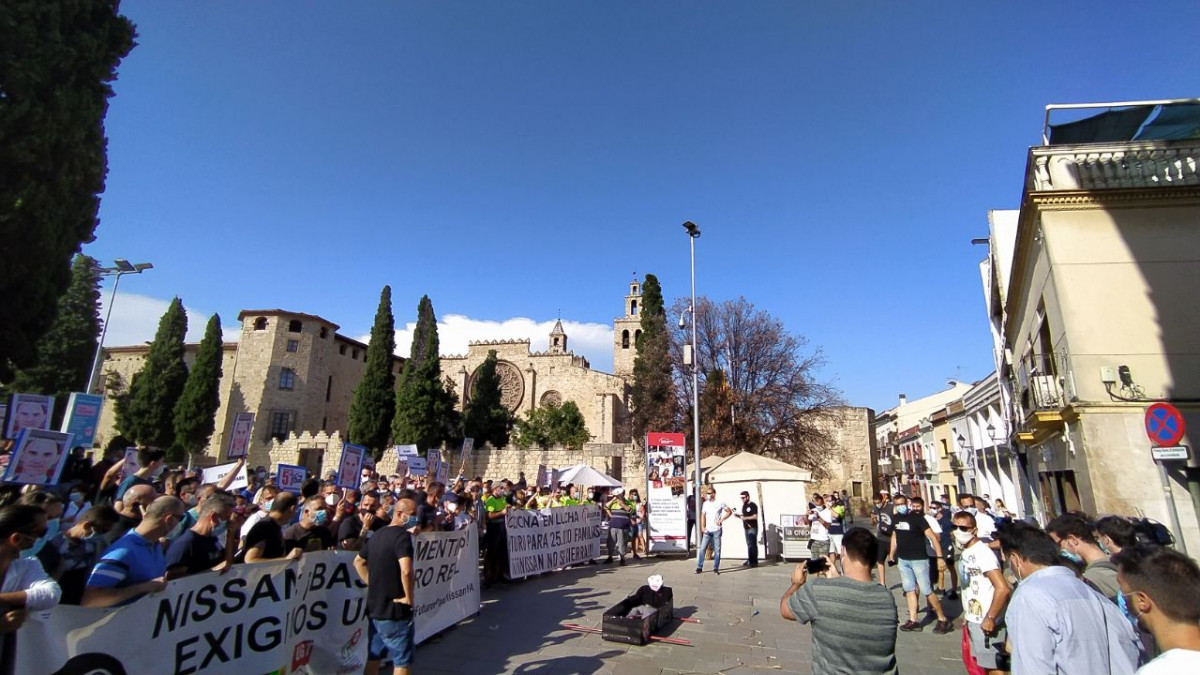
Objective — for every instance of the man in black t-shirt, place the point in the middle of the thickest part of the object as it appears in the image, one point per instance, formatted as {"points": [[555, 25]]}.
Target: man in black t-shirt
{"points": [[749, 517], [198, 549], [385, 564], [265, 539], [427, 511], [910, 531], [881, 515], [311, 533], [355, 530]]}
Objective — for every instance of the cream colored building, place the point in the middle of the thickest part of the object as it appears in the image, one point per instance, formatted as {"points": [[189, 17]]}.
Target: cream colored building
{"points": [[1092, 288]]}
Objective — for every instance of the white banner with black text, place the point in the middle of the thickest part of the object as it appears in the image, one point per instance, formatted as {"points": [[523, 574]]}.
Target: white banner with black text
{"points": [[541, 541]]}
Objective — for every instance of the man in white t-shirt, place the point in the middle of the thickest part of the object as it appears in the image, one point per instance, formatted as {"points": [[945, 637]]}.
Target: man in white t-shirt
{"points": [[985, 523], [1162, 591], [985, 595], [819, 518], [712, 517]]}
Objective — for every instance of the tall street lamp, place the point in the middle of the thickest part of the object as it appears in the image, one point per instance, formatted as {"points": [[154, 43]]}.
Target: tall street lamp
{"points": [[120, 267], [693, 234]]}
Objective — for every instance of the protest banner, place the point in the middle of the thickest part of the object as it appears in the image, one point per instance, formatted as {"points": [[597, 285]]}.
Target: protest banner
{"points": [[214, 474], [129, 464], [349, 473], [543, 477], [307, 616], [447, 579], [541, 541], [38, 457], [467, 446], [290, 477], [666, 501], [239, 437], [29, 411], [83, 414], [443, 473], [407, 450], [433, 459], [416, 466]]}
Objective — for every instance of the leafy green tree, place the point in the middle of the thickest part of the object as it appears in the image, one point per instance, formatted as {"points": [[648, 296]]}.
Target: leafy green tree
{"points": [[425, 413], [146, 413], [653, 397], [196, 411], [57, 60], [552, 424], [374, 403], [65, 352], [486, 419]]}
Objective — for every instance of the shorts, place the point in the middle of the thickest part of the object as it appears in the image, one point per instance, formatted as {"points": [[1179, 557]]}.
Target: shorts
{"points": [[914, 574], [884, 548], [988, 651], [392, 638], [818, 547], [835, 543]]}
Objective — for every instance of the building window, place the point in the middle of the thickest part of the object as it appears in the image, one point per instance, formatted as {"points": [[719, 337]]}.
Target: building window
{"points": [[637, 336], [260, 323], [328, 390], [354, 354], [856, 489], [281, 424], [295, 326], [293, 345], [617, 468], [324, 422], [324, 332], [624, 339], [342, 349], [287, 379], [633, 307]]}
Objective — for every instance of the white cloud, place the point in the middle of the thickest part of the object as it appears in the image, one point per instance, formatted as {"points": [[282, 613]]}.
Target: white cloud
{"points": [[135, 319], [593, 341]]}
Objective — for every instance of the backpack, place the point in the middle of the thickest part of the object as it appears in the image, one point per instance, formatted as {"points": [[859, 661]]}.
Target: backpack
{"points": [[1152, 532]]}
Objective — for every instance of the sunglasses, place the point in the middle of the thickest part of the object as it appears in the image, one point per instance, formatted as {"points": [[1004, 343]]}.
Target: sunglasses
{"points": [[964, 528]]}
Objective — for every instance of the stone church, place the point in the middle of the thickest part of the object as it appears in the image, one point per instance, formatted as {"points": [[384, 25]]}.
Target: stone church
{"points": [[297, 374]]}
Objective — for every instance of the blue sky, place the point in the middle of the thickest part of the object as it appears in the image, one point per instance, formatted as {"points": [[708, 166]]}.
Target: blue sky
{"points": [[517, 159]]}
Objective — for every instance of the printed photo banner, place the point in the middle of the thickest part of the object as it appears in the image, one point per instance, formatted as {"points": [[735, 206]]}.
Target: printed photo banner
{"points": [[214, 474], [666, 484], [543, 477], [541, 541], [290, 477], [29, 411], [468, 446], [129, 465], [433, 459], [38, 457], [447, 579], [83, 415], [308, 616], [349, 473], [239, 437]]}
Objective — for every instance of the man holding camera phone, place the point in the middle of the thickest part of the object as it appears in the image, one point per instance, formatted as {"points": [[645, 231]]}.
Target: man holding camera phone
{"points": [[853, 619]]}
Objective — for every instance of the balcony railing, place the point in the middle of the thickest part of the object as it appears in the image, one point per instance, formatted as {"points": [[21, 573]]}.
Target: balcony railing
{"points": [[1110, 166], [1039, 386]]}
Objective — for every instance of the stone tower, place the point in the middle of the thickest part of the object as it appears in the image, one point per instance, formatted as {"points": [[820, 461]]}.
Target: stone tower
{"points": [[627, 328], [558, 339]]}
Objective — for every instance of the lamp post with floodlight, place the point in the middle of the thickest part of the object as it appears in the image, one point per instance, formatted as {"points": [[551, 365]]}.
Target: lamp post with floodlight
{"points": [[693, 234], [120, 267]]}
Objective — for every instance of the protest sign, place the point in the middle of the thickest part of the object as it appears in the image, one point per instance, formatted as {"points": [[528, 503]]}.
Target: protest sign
{"points": [[666, 512], [307, 616], [446, 570], [38, 457], [83, 414], [402, 467], [349, 473], [543, 477], [290, 477], [443, 473], [541, 541], [214, 474], [29, 411], [239, 437], [407, 450], [434, 462], [129, 464], [416, 466], [467, 446]]}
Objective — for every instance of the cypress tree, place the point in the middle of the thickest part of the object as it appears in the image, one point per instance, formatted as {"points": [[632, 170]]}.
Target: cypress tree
{"points": [[653, 397], [196, 411], [374, 402], [65, 352], [486, 419], [146, 413], [425, 413], [57, 60]]}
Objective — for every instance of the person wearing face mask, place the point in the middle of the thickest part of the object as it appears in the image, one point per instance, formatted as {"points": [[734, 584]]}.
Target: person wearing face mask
{"points": [[130, 512], [881, 517], [134, 565], [910, 531], [263, 499], [311, 533], [495, 557], [1161, 587], [985, 596], [24, 585], [1056, 622], [1114, 534], [385, 565], [356, 529], [265, 541], [52, 505], [199, 548], [1074, 537], [151, 463], [458, 508], [80, 547], [77, 503]]}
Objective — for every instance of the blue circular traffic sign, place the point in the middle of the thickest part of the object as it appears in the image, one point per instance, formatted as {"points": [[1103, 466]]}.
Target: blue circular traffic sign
{"points": [[1164, 424]]}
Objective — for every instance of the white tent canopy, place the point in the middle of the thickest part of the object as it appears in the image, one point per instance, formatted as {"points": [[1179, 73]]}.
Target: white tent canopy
{"points": [[747, 466], [582, 474]]}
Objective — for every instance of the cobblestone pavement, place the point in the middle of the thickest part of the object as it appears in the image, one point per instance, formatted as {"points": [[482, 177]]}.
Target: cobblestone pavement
{"points": [[519, 627]]}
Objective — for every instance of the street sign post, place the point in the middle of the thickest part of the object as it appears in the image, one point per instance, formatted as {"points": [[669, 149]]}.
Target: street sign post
{"points": [[1165, 428]]}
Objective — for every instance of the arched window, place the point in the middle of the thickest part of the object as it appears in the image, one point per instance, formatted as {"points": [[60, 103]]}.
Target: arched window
{"points": [[295, 326], [287, 379], [260, 323], [555, 342], [624, 339], [637, 335], [633, 307]]}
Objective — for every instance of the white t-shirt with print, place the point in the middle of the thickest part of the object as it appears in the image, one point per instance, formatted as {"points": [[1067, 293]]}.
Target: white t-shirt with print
{"points": [[1172, 662], [985, 525], [977, 561], [712, 514], [821, 519]]}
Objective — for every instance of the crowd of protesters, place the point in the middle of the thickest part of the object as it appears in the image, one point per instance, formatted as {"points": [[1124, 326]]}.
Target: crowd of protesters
{"points": [[1076, 596]]}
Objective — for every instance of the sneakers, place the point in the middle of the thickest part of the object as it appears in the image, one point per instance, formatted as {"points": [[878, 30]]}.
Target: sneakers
{"points": [[943, 627], [608, 560], [699, 571], [622, 560], [910, 626], [637, 557], [717, 572]]}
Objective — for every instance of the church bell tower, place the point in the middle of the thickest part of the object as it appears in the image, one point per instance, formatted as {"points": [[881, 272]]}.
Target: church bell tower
{"points": [[626, 331], [558, 339]]}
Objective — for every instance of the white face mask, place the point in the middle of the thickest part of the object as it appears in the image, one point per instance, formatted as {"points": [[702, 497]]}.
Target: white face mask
{"points": [[963, 538], [452, 507], [331, 500]]}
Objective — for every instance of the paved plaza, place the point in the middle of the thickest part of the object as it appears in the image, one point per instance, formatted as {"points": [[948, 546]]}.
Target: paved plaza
{"points": [[519, 628]]}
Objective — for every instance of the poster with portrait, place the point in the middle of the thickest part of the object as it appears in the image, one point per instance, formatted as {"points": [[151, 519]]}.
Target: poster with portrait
{"points": [[467, 447], [38, 457], [666, 484], [83, 415], [543, 476], [129, 465], [28, 411], [239, 437], [349, 473], [290, 477]]}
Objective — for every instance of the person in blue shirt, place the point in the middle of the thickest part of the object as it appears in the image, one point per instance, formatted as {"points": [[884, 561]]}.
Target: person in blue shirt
{"points": [[135, 564]]}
